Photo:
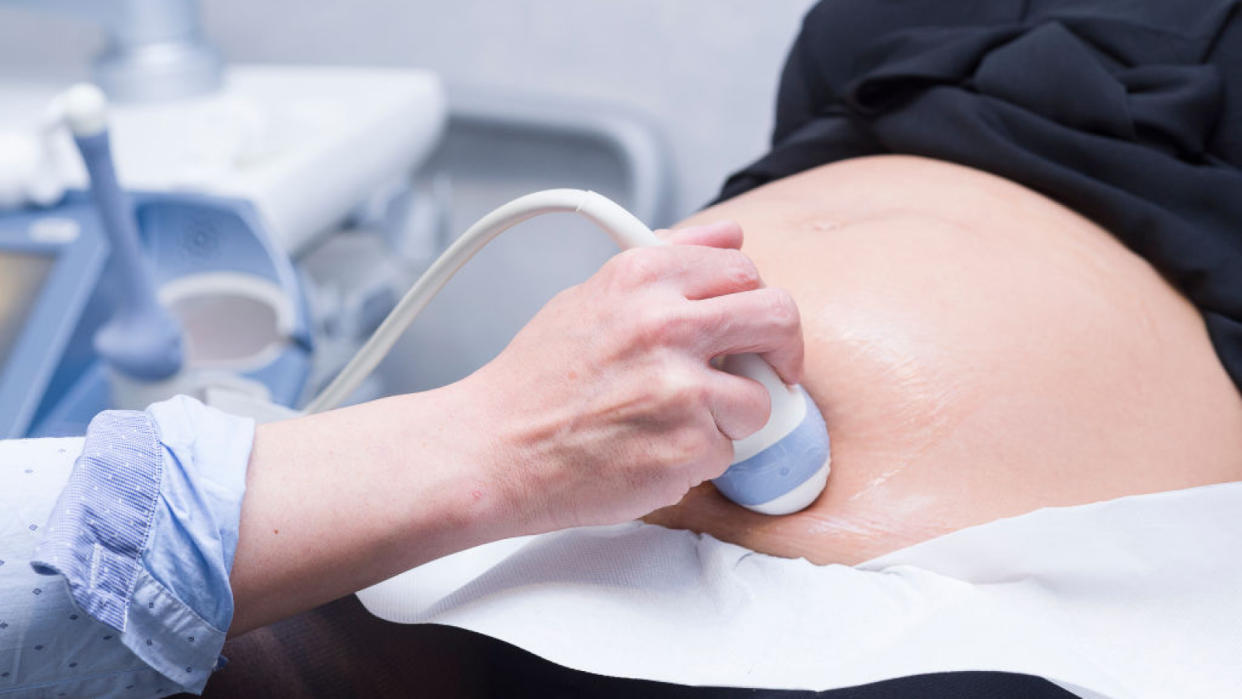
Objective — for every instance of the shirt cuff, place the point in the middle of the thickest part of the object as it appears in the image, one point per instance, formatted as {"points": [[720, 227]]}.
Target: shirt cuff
{"points": [[145, 531]]}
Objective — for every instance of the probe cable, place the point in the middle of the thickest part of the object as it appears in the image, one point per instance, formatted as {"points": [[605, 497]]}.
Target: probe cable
{"points": [[623, 227]]}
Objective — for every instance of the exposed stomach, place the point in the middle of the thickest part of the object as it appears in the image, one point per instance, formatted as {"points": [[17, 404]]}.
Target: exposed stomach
{"points": [[978, 351]]}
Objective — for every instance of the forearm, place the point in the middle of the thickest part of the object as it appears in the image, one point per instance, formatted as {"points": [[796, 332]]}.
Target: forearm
{"points": [[339, 501], [603, 408]]}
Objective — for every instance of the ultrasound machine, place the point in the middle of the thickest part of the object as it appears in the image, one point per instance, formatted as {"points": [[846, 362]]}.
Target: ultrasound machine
{"points": [[173, 201]]}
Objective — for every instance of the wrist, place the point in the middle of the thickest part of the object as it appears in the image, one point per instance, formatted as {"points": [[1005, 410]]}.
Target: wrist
{"points": [[500, 451], [442, 467], [339, 501]]}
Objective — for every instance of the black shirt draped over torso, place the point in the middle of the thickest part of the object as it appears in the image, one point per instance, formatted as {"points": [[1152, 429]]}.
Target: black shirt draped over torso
{"points": [[1127, 111]]}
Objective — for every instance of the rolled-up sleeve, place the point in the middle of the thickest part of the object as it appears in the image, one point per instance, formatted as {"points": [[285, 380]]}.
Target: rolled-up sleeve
{"points": [[145, 531]]}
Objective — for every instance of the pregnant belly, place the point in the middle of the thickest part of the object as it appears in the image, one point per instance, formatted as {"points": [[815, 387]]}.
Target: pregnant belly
{"points": [[978, 351]]}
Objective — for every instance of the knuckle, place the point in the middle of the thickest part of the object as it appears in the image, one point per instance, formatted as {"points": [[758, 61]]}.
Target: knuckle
{"points": [[782, 310], [637, 267], [645, 330], [659, 325], [717, 324], [742, 270], [689, 443], [678, 389]]}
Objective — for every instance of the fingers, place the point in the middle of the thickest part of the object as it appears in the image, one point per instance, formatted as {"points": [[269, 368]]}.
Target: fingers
{"points": [[721, 234], [696, 271], [729, 313], [739, 405], [762, 321]]}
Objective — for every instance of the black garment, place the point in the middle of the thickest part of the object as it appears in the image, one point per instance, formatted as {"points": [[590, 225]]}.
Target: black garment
{"points": [[514, 673], [1128, 111], [341, 650]]}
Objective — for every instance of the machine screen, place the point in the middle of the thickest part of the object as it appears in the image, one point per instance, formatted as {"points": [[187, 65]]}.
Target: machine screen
{"points": [[21, 278]]}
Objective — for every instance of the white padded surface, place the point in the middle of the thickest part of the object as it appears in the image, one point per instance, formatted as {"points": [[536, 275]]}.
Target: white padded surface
{"points": [[1135, 597]]}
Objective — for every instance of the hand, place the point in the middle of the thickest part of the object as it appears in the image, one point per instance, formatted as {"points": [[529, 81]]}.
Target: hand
{"points": [[603, 408], [606, 407]]}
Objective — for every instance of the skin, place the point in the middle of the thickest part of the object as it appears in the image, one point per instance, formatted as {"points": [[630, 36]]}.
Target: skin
{"points": [[603, 408], [978, 351]]}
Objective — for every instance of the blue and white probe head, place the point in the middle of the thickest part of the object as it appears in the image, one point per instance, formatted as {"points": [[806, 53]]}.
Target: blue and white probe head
{"points": [[783, 467]]}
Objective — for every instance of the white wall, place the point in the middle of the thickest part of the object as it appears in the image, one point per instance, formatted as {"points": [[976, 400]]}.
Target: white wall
{"points": [[705, 69]]}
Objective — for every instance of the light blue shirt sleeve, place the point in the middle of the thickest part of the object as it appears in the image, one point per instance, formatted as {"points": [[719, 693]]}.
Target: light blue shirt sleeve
{"points": [[142, 539]]}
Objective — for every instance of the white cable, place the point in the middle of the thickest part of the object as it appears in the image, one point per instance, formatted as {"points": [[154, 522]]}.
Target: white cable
{"points": [[622, 226]]}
